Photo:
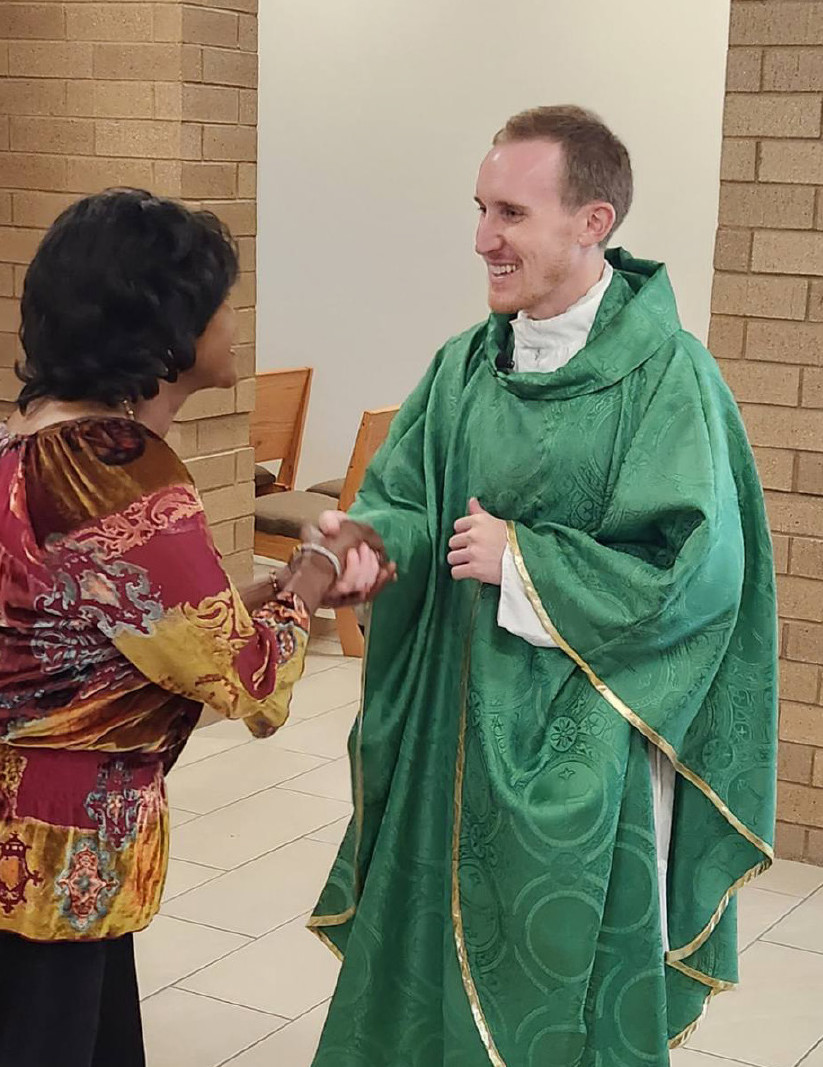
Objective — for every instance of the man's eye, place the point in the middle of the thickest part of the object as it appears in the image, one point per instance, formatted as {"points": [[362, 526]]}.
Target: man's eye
{"points": [[481, 210], [512, 213]]}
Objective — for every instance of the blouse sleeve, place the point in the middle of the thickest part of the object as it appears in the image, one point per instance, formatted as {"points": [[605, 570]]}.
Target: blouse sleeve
{"points": [[152, 579]]}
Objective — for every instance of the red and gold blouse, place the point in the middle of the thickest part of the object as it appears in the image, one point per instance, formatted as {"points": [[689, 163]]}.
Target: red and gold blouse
{"points": [[117, 622]]}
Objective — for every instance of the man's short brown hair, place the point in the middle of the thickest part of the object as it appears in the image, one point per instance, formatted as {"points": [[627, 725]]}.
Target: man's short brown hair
{"points": [[598, 166]]}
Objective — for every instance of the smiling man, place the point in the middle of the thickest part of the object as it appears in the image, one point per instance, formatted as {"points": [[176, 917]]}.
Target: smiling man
{"points": [[564, 766]]}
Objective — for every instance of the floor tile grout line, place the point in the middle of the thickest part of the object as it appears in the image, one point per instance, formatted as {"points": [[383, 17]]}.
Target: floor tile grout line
{"points": [[328, 824], [322, 670], [794, 948], [277, 849], [234, 1004], [806, 1055], [202, 814], [237, 1055], [228, 751], [271, 1014], [791, 911], [237, 1004], [167, 900], [718, 1057], [247, 1048], [329, 759], [777, 922], [314, 719], [197, 863], [209, 926], [251, 937], [212, 755], [317, 796], [755, 884], [197, 970], [785, 915], [347, 703]]}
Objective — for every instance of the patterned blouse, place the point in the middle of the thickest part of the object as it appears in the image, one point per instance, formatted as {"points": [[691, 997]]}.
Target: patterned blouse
{"points": [[117, 622]]}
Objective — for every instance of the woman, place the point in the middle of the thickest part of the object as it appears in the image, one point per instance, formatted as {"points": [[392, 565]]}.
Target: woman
{"points": [[117, 621]]}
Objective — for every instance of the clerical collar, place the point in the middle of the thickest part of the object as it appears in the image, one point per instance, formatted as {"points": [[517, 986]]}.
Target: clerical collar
{"points": [[546, 345]]}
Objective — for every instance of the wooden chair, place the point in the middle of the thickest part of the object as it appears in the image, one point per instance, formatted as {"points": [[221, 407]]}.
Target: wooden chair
{"points": [[279, 518], [373, 429], [277, 424]]}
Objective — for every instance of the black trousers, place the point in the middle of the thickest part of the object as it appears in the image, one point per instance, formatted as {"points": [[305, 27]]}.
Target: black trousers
{"points": [[69, 1004]]}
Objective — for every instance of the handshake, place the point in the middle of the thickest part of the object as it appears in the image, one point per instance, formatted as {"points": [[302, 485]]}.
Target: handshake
{"points": [[364, 566], [340, 564]]}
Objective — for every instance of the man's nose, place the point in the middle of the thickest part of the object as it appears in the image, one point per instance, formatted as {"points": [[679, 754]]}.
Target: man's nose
{"points": [[487, 238]]}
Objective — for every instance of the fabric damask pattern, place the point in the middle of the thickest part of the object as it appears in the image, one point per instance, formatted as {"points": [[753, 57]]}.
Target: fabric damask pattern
{"points": [[116, 534], [114, 805], [496, 897], [113, 596], [117, 622], [15, 874], [222, 617], [12, 765], [87, 884]]}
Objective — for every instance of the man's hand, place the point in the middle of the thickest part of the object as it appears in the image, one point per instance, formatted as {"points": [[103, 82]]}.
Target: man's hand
{"points": [[366, 571], [331, 521], [476, 550]]}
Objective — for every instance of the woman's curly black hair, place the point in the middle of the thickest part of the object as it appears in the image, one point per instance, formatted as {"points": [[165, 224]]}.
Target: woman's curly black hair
{"points": [[117, 294]]}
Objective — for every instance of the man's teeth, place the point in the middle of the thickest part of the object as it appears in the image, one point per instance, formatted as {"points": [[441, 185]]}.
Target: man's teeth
{"points": [[506, 268]]}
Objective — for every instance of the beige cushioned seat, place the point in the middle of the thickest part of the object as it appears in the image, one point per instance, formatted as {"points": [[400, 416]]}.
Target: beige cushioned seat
{"points": [[263, 477], [331, 488], [285, 514]]}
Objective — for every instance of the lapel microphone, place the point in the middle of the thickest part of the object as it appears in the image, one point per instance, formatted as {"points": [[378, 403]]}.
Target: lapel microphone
{"points": [[504, 362]]}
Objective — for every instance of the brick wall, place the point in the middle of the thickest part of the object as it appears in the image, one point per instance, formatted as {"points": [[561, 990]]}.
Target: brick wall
{"points": [[767, 332], [158, 95]]}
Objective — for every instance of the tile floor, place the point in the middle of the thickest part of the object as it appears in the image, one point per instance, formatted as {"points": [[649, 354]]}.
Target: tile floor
{"points": [[230, 975]]}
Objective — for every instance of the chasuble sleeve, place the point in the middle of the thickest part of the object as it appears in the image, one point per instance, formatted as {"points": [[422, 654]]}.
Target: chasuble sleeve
{"points": [[667, 562], [669, 610], [396, 495]]}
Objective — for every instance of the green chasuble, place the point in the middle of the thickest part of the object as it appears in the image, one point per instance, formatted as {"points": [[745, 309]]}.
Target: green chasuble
{"points": [[496, 895]]}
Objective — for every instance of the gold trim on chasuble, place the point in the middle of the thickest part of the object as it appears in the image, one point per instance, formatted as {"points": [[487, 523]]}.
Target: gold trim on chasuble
{"points": [[457, 915], [342, 917], [317, 921], [674, 956]]}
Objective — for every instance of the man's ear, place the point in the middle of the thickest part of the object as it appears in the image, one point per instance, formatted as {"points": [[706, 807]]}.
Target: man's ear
{"points": [[598, 219]]}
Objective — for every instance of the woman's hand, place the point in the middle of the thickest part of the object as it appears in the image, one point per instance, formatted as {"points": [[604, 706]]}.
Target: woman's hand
{"points": [[362, 557]]}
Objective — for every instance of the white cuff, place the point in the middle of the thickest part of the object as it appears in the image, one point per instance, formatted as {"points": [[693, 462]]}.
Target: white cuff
{"points": [[515, 612]]}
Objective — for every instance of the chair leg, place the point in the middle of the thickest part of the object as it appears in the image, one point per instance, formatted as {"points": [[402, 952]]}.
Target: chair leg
{"points": [[351, 637]]}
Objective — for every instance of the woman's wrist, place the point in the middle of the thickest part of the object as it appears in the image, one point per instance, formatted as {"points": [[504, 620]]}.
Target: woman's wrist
{"points": [[310, 579]]}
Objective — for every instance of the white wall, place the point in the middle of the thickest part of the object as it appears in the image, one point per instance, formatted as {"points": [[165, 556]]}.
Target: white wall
{"points": [[374, 116]]}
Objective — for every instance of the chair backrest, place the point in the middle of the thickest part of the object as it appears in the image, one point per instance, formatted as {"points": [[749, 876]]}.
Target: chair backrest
{"points": [[279, 418], [374, 426]]}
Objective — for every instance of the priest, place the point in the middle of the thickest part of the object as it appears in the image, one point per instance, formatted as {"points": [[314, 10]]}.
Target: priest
{"points": [[564, 764]]}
